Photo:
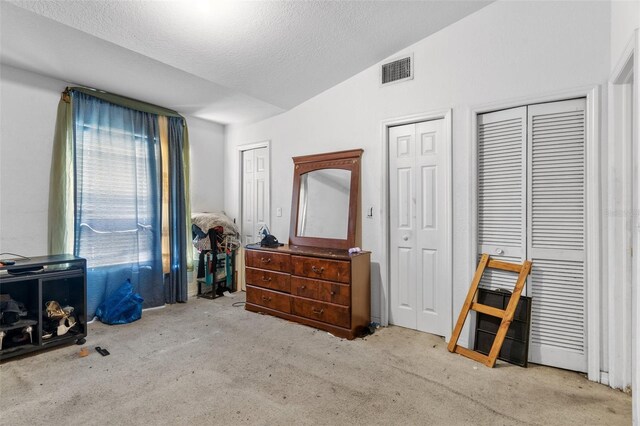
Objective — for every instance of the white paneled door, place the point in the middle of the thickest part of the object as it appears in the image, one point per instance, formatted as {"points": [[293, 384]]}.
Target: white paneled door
{"points": [[255, 193], [420, 287], [531, 204]]}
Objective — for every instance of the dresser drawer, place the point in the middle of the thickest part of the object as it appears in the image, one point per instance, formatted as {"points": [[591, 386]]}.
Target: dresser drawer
{"points": [[268, 279], [320, 311], [268, 260], [269, 299], [325, 269], [325, 291]]}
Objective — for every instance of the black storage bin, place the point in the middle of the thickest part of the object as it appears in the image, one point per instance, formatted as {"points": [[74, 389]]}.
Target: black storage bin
{"points": [[515, 349]]}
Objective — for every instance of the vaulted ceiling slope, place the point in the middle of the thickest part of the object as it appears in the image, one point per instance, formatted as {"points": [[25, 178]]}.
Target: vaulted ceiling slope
{"points": [[225, 61]]}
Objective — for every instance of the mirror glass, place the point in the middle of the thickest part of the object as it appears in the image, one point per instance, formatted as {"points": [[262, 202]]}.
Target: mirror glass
{"points": [[323, 209]]}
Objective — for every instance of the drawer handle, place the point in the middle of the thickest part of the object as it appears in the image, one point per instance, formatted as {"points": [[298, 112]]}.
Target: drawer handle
{"points": [[317, 311], [302, 287], [265, 279], [263, 260], [317, 270], [333, 293], [266, 299]]}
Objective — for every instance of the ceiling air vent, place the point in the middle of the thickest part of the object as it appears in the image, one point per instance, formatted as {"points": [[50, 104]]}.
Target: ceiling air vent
{"points": [[397, 70]]}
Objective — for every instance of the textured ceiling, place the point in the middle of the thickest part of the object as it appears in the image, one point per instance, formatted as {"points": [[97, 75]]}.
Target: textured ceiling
{"points": [[246, 60]]}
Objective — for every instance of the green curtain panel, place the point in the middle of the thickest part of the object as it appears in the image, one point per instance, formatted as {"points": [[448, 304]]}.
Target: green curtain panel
{"points": [[61, 193]]}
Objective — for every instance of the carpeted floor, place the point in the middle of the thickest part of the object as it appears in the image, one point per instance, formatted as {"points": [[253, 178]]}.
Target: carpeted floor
{"points": [[207, 362]]}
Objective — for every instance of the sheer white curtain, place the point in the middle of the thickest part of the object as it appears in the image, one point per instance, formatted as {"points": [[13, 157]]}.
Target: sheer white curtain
{"points": [[117, 217]]}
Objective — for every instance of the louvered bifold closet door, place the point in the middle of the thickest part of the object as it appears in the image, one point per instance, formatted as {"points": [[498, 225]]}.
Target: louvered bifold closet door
{"points": [[501, 191], [556, 233]]}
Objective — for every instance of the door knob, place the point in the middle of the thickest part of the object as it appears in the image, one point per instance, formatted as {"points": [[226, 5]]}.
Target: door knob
{"points": [[406, 238]]}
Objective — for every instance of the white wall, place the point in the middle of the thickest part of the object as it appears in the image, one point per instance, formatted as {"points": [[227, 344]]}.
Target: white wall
{"points": [[625, 17], [505, 51], [206, 140], [28, 103]]}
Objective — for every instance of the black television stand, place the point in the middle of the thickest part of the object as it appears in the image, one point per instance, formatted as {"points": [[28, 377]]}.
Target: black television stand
{"points": [[33, 282]]}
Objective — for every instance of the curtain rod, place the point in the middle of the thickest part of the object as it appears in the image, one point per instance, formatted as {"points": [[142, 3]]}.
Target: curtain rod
{"points": [[121, 100]]}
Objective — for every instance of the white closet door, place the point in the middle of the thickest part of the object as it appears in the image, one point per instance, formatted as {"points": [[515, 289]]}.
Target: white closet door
{"points": [[501, 191], [403, 292], [255, 193], [556, 234], [249, 229], [420, 296], [434, 286], [261, 188]]}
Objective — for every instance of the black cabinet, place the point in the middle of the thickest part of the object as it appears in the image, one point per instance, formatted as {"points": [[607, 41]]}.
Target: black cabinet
{"points": [[34, 282]]}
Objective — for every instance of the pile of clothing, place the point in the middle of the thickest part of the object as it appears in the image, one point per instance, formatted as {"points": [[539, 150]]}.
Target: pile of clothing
{"points": [[202, 225]]}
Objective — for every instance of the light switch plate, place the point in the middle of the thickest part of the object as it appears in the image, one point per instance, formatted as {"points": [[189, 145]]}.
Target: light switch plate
{"points": [[279, 211]]}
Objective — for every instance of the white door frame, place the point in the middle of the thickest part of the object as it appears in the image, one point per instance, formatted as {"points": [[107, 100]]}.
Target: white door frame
{"points": [[620, 204], [444, 114], [619, 256], [249, 147], [592, 228]]}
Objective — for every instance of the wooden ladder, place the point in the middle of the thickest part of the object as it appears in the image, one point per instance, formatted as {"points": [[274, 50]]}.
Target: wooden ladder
{"points": [[506, 315]]}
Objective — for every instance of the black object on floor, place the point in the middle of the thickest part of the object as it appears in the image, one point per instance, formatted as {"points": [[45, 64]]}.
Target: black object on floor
{"points": [[101, 351], [515, 349]]}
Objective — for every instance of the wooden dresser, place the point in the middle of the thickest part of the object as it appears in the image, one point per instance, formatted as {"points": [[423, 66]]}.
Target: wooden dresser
{"points": [[325, 288]]}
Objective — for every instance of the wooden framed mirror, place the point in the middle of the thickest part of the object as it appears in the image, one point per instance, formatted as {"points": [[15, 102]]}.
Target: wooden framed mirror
{"points": [[325, 201]]}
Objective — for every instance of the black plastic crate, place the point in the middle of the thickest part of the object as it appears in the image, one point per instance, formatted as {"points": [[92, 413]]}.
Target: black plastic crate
{"points": [[515, 349]]}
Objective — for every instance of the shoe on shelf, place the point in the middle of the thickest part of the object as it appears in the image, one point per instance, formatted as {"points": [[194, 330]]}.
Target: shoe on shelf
{"points": [[54, 311], [65, 324], [28, 330]]}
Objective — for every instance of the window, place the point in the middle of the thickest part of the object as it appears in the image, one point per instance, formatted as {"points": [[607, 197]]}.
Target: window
{"points": [[117, 198], [118, 195]]}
